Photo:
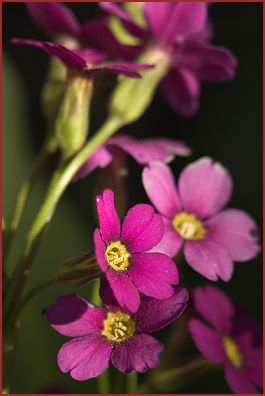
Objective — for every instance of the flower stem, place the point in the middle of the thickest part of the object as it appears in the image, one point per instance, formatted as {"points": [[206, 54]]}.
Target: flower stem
{"points": [[45, 154], [172, 380], [27, 297], [60, 180], [103, 383], [132, 380]]}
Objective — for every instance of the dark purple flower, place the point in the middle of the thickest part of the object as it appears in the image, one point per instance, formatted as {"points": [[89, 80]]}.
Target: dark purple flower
{"points": [[122, 253], [102, 335], [194, 218], [86, 60], [179, 32], [143, 151], [223, 342]]}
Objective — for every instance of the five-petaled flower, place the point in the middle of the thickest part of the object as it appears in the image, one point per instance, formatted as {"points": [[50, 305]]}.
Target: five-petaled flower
{"points": [[100, 335], [143, 151], [122, 253], [224, 342], [179, 33], [212, 238]]}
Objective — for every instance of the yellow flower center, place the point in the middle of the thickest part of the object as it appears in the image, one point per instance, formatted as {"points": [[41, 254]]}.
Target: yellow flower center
{"points": [[117, 256], [188, 226], [232, 351], [118, 326]]}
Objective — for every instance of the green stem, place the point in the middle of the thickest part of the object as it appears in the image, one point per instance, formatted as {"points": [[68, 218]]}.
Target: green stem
{"points": [[23, 195], [60, 180], [132, 380], [95, 298], [103, 383], [32, 293], [172, 380]]}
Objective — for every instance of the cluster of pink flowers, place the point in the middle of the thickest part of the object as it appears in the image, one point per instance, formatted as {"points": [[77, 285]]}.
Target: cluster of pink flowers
{"points": [[140, 285]]}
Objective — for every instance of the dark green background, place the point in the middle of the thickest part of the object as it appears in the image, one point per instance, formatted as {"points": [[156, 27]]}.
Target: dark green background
{"points": [[228, 127]]}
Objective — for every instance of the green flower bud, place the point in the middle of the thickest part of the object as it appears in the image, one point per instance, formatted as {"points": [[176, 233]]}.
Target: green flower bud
{"points": [[132, 97], [53, 89], [79, 270], [72, 121]]}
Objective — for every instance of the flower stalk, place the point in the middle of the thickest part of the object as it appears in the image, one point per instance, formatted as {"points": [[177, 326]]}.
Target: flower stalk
{"points": [[63, 175]]}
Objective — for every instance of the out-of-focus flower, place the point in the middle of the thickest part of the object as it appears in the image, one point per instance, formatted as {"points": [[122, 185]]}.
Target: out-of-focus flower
{"points": [[72, 115], [175, 36], [143, 151], [211, 238], [122, 253], [223, 342], [100, 335], [86, 60]]}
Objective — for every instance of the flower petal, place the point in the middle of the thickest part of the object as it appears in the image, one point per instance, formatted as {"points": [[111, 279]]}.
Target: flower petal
{"points": [[208, 62], [209, 259], [139, 354], [204, 187], [154, 314], [150, 237], [153, 274], [100, 250], [107, 295], [128, 69], [98, 35], [156, 14], [186, 19], [100, 158], [161, 189], [252, 357], [129, 24], [68, 57], [214, 306], [73, 316], [136, 221], [108, 218], [124, 290], [147, 150], [182, 90], [208, 341], [54, 18], [236, 231], [171, 242], [85, 357], [237, 380]]}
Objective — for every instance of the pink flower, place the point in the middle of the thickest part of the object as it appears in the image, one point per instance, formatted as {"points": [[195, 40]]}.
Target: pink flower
{"points": [[224, 343], [194, 219], [180, 32], [100, 335], [122, 253], [143, 151]]}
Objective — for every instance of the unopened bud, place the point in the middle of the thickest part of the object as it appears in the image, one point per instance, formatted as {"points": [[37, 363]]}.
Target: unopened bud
{"points": [[80, 269], [132, 97], [72, 121]]}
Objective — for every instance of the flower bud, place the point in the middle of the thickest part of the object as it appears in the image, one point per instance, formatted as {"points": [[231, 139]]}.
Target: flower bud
{"points": [[132, 97], [72, 121], [53, 89], [80, 269]]}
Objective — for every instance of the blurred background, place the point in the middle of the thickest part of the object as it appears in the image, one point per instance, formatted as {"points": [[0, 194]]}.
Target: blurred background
{"points": [[228, 127]]}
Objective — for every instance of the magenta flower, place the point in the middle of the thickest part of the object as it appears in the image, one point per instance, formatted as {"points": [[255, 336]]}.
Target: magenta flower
{"points": [[194, 218], [223, 343], [122, 253], [113, 334], [179, 32], [143, 151], [86, 60], [58, 22]]}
